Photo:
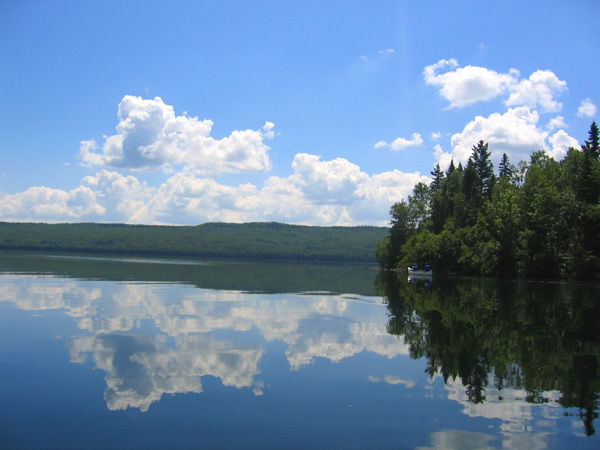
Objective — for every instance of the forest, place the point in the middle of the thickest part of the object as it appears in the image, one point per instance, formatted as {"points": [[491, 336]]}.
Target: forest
{"points": [[268, 240], [540, 218]]}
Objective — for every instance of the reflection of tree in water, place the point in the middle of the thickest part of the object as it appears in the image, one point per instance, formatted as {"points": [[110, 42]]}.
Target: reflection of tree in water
{"points": [[532, 336]]}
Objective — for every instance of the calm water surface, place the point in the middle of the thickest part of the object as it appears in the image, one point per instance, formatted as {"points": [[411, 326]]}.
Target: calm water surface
{"points": [[102, 352]]}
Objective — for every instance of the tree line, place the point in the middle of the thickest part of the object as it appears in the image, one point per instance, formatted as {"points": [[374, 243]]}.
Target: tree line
{"points": [[540, 218], [266, 240]]}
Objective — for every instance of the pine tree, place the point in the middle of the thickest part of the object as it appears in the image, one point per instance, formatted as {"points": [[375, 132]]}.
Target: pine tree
{"points": [[438, 176], [484, 167], [592, 147], [505, 168], [451, 168]]}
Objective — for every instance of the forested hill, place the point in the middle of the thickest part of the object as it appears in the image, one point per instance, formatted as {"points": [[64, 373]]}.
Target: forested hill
{"points": [[252, 240]]}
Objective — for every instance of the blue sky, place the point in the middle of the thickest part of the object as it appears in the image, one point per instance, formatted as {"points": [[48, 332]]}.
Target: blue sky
{"points": [[308, 112]]}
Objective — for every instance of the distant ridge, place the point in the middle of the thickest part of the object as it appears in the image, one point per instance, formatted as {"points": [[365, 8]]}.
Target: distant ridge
{"points": [[256, 240]]}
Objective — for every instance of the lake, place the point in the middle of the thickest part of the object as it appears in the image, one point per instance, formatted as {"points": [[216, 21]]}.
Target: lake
{"points": [[126, 352]]}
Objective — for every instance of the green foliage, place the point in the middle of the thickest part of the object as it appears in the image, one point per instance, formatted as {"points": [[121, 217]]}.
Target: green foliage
{"points": [[538, 219], [252, 240], [531, 336]]}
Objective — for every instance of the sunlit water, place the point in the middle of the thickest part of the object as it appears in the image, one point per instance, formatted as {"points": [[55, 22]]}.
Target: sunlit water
{"points": [[134, 353]]}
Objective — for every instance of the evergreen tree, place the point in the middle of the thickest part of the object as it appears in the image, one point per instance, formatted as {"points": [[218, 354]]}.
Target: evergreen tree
{"points": [[505, 169], [469, 181], [451, 168], [484, 167], [467, 215], [438, 176], [592, 147]]}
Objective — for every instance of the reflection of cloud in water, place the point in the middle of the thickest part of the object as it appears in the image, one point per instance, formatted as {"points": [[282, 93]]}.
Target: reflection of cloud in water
{"points": [[458, 440], [319, 325], [39, 293], [139, 371], [524, 425], [391, 379]]}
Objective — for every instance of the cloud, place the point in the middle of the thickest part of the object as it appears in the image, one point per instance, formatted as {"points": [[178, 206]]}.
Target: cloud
{"points": [[587, 108], [387, 51], [561, 142], [557, 122], [123, 197], [436, 136], [442, 157], [106, 197], [150, 137], [328, 182], [539, 90], [319, 192], [466, 85], [186, 199], [515, 133], [402, 143], [52, 205], [463, 86]]}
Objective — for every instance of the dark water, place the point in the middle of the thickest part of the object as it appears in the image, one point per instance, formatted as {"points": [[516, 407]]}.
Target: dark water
{"points": [[99, 352]]}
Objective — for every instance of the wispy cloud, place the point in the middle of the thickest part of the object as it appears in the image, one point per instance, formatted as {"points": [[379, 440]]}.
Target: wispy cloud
{"points": [[402, 143], [556, 123]]}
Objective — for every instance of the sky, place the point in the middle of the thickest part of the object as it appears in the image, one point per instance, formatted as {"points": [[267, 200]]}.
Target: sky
{"points": [[305, 112]]}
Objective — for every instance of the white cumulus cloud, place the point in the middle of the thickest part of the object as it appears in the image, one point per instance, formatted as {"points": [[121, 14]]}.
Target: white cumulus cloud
{"points": [[587, 108], [319, 192], [328, 182], [561, 142], [442, 157], [124, 199], [539, 90], [51, 205], [150, 136], [466, 85], [515, 133], [463, 86]]}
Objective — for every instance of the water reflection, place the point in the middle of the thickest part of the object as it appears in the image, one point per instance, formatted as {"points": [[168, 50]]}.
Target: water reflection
{"points": [[140, 368], [521, 356], [497, 336]]}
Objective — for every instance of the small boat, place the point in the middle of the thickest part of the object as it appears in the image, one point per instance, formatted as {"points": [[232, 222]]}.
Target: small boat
{"points": [[414, 271]]}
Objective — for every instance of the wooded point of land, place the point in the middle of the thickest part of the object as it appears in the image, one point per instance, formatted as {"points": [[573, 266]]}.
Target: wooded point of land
{"points": [[538, 219]]}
